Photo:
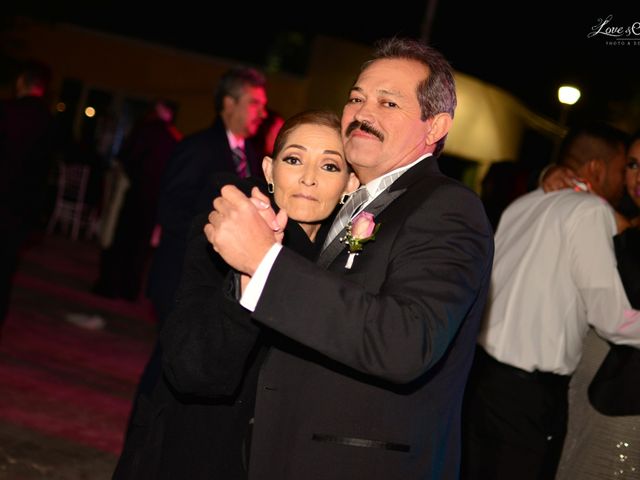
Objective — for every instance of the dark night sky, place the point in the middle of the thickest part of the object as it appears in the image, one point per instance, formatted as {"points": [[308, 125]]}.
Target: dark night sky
{"points": [[528, 49]]}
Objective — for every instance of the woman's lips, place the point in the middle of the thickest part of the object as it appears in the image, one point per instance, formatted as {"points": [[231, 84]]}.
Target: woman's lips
{"points": [[305, 197]]}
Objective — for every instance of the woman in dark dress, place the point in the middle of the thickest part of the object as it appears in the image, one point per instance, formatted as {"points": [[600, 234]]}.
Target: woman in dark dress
{"points": [[197, 423]]}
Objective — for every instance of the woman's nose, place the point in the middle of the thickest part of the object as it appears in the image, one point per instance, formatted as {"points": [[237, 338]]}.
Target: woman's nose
{"points": [[308, 177]]}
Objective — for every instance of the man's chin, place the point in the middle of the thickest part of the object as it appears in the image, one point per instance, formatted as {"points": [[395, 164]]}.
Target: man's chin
{"points": [[363, 150]]}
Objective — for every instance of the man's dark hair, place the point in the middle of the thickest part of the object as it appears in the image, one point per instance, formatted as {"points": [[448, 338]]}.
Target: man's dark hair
{"points": [[590, 140], [234, 81]]}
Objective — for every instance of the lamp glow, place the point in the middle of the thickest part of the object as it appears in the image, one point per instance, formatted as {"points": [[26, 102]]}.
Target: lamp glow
{"points": [[568, 95]]}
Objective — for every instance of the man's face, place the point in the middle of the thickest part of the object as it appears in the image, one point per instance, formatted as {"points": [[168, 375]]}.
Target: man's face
{"points": [[247, 112], [384, 98], [611, 187], [633, 172]]}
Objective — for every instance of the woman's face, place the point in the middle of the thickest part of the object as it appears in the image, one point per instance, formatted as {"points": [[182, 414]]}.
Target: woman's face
{"points": [[309, 175], [633, 172]]}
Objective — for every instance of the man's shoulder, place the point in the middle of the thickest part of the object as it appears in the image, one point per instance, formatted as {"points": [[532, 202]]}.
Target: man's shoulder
{"points": [[566, 206], [203, 146], [439, 185], [575, 203], [207, 135]]}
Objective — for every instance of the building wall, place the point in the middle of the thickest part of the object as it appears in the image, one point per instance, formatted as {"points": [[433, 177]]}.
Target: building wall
{"points": [[488, 127], [141, 69]]}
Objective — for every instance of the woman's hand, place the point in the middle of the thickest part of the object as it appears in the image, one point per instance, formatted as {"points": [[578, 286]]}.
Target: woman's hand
{"points": [[277, 222], [238, 232], [556, 177]]}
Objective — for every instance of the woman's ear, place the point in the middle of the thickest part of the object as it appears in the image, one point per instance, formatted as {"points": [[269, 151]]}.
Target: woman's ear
{"points": [[267, 168], [352, 184], [440, 125]]}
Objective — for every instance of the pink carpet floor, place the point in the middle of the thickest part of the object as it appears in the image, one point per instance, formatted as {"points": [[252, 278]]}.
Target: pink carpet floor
{"points": [[66, 389]]}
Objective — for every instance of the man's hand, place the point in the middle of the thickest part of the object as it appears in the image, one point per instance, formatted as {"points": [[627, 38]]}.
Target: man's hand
{"points": [[238, 232]]}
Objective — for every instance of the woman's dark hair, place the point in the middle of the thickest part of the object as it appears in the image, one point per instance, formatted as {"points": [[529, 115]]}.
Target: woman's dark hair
{"points": [[324, 118]]}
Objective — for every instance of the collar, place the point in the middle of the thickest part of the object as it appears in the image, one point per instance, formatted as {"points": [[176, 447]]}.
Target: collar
{"points": [[373, 186], [235, 142]]}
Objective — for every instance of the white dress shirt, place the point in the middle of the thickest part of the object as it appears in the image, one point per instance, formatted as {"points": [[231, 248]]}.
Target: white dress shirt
{"points": [[235, 142], [554, 274], [254, 288]]}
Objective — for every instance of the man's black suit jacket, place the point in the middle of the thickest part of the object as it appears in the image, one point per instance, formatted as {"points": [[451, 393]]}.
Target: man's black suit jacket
{"points": [[376, 387]]}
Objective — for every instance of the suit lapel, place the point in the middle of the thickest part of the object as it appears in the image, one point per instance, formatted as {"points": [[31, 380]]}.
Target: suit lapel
{"points": [[427, 167], [381, 202]]}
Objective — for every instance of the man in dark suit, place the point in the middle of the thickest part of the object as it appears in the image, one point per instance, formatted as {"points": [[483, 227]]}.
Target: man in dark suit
{"points": [[385, 336], [240, 103], [26, 127]]}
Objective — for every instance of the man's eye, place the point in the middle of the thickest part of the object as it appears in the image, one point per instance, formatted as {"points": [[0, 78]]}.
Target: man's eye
{"points": [[354, 100], [632, 165], [391, 104]]}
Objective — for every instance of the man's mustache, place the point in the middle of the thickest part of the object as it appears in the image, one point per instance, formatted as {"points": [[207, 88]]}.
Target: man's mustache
{"points": [[365, 127]]}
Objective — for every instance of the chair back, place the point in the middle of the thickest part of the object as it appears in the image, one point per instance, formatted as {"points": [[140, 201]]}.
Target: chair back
{"points": [[70, 198]]}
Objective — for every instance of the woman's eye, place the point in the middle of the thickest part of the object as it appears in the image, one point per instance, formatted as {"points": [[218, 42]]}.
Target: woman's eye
{"points": [[632, 165], [354, 100], [331, 167], [291, 160]]}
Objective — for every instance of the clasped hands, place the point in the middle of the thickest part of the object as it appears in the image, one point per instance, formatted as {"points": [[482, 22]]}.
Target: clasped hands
{"points": [[242, 229]]}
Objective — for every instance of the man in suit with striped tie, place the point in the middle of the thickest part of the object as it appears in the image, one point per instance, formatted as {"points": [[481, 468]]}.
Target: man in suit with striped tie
{"points": [[373, 389], [240, 103], [197, 164]]}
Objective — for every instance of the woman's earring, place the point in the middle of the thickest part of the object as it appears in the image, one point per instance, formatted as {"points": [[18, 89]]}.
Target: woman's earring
{"points": [[270, 187], [344, 198]]}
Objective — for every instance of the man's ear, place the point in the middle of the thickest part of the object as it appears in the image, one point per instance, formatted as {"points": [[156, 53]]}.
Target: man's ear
{"points": [[228, 102], [440, 125], [267, 168], [594, 171]]}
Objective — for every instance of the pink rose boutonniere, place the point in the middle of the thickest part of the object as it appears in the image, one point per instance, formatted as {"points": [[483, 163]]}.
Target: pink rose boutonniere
{"points": [[360, 230]]}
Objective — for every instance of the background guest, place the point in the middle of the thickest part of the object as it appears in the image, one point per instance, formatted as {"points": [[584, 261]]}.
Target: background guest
{"points": [[265, 137], [191, 174], [554, 275], [597, 445], [26, 142], [240, 101], [143, 156]]}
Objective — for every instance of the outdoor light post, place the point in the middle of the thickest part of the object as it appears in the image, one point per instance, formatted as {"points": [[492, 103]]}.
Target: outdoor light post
{"points": [[567, 95]]}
